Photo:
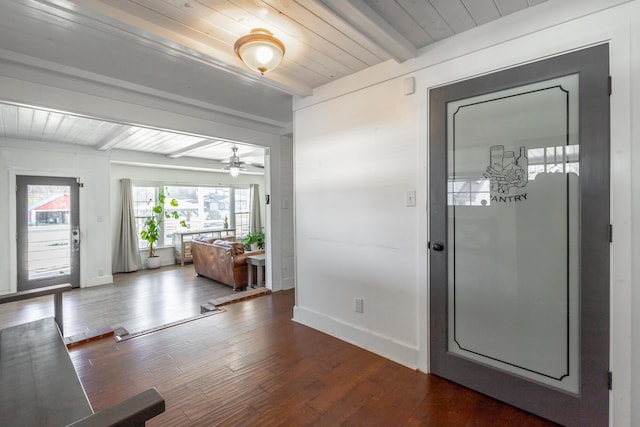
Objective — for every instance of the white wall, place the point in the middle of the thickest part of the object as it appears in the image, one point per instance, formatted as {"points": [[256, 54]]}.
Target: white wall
{"points": [[32, 158], [355, 238], [171, 177], [630, 298], [361, 144]]}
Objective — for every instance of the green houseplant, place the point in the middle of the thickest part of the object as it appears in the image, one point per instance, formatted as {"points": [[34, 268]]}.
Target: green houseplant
{"points": [[153, 224], [253, 239]]}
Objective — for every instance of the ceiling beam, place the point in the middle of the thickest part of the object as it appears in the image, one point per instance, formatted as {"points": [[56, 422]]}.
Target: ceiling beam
{"points": [[140, 159], [205, 143], [361, 16], [123, 135]]}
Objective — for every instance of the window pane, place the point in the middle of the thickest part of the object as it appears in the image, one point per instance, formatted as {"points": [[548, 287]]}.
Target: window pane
{"points": [[513, 261], [142, 208], [187, 198], [48, 253], [242, 204], [216, 204], [141, 197]]}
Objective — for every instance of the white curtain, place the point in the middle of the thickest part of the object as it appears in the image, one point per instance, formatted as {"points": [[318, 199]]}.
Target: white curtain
{"points": [[126, 254], [255, 224]]}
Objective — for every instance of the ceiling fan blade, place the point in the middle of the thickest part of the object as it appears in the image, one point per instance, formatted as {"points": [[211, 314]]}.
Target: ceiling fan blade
{"points": [[255, 165]]}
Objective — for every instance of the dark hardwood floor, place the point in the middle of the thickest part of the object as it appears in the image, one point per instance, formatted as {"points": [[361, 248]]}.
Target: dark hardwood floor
{"points": [[253, 366], [135, 301]]}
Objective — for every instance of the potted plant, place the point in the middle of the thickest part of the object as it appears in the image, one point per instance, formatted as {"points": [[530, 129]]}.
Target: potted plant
{"points": [[253, 241], [153, 225]]}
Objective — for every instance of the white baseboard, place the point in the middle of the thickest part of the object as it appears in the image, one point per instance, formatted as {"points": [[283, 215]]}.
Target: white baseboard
{"points": [[287, 283], [383, 346], [97, 281]]}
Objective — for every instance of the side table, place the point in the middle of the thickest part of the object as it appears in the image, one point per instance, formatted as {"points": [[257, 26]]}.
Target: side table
{"points": [[259, 262]]}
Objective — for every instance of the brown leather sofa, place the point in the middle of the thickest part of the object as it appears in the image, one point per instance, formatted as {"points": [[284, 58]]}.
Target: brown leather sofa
{"points": [[222, 261]]}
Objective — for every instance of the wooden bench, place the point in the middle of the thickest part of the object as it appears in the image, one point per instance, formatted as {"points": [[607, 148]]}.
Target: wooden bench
{"points": [[39, 385]]}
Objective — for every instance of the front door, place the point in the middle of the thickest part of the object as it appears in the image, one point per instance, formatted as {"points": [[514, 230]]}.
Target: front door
{"points": [[48, 236], [519, 224]]}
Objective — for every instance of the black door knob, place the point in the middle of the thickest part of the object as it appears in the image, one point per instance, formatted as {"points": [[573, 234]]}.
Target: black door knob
{"points": [[437, 246]]}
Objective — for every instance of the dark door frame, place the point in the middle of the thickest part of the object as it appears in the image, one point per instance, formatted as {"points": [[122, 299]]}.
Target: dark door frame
{"points": [[23, 282]]}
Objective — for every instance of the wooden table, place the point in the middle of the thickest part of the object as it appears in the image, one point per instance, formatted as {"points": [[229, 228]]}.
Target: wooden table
{"points": [[259, 261]]}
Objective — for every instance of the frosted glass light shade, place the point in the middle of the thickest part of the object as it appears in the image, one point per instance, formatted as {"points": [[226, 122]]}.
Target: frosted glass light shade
{"points": [[234, 171], [260, 50]]}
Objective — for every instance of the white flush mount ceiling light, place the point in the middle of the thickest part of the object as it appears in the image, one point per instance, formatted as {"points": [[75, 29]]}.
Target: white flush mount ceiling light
{"points": [[260, 50]]}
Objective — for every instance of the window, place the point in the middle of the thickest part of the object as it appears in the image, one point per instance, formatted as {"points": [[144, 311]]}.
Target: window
{"points": [[142, 208], [242, 211], [199, 206]]}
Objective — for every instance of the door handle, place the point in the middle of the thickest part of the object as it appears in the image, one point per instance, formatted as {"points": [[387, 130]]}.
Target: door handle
{"points": [[437, 246]]}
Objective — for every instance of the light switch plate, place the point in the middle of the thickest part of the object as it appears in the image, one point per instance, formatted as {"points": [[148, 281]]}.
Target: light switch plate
{"points": [[411, 198]]}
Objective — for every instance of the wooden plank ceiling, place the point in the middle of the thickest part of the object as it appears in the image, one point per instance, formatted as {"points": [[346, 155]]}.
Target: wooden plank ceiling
{"points": [[325, 40], [33, 124]]}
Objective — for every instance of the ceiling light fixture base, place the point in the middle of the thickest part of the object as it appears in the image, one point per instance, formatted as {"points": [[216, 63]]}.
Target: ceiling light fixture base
{"points": [[260, 50]]}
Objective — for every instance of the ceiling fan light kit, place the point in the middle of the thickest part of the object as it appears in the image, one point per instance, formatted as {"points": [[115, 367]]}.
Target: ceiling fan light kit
{"points": [[235, 165], [260, 50]]}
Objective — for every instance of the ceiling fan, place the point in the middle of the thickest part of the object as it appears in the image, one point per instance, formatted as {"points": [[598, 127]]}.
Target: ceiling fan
{"points": [[236, 165]]}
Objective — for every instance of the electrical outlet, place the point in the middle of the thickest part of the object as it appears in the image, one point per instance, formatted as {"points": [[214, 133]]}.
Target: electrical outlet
{"points": [[359, 305]]}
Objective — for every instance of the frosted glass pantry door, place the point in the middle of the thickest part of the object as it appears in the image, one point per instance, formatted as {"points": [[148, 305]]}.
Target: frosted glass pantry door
{"points": [[513, 235]]}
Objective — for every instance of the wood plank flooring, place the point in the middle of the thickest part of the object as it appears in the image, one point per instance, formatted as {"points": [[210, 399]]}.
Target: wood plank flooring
{"points": [[135, 301], [253, 366]]}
